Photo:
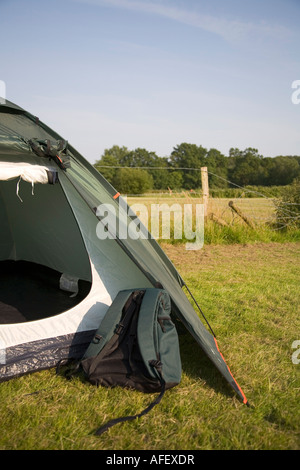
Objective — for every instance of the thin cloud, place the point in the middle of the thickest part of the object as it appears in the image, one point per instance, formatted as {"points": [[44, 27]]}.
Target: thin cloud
{"points": [[228, 29]]}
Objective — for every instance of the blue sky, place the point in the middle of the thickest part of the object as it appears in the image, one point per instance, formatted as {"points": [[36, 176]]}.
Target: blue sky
{"points": [[156, 73]]}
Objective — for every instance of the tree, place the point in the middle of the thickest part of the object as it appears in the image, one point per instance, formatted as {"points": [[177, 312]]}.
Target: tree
{"points": [[173, 180], [283, 170], [217, 165], [189, 156], [132, 181], [111, 158], [142, 158], [241, 167], [138, 158], [247, 168]]}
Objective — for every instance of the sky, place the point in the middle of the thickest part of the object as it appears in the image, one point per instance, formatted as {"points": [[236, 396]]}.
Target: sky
{"points": [[157, 73]]}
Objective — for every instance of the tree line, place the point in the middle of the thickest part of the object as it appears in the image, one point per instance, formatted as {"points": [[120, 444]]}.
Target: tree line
{"points": [[241, 167]]}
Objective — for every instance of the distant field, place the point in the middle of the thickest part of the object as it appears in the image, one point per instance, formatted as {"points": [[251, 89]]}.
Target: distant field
{"points": [[227, 227], [260, 210]]}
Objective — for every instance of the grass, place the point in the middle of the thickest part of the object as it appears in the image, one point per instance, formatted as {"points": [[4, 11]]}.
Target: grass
{"points": [[250, 295], [239, 233], [260, 211]]}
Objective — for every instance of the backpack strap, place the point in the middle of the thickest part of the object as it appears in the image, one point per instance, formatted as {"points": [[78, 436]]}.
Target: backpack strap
{"points": [[120, 329], [158, 368], [121, 315]]}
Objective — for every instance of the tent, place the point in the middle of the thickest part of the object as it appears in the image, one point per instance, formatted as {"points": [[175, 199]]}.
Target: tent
{"points": [[58, 276]]}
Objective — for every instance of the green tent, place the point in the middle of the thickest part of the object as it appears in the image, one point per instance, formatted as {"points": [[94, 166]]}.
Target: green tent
{"points": [[58, 277]]}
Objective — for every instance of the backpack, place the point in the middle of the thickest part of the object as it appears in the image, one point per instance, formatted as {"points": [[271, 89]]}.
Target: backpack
{"points": [[136, 346]]}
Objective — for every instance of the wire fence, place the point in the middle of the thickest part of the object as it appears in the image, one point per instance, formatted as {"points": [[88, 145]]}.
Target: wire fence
{"points": [[256, 206]]}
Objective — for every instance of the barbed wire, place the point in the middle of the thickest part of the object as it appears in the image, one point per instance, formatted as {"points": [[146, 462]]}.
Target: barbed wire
{"points": [[148, 167], [286, 208]]}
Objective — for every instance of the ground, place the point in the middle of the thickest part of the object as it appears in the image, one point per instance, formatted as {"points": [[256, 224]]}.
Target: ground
{"points": [[250, 295]]}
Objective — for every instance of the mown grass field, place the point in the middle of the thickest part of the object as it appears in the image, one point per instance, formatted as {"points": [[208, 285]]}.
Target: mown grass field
{"points": [[250, 295]]}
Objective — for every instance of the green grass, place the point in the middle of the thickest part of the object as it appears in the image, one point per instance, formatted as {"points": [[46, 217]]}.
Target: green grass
{"points": [[239, 233], [250, 295], [260, 211]]}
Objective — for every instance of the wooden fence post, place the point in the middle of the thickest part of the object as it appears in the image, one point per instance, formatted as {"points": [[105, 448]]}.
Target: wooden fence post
{"points": [[218, 220], [238, 211], [205, 189]]}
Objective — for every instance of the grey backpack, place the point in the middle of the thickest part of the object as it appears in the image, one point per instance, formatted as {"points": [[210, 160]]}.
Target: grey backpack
{"points": [[136, 346]]}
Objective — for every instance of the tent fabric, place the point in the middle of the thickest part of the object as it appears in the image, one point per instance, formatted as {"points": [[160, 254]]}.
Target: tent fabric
{"points": [[108, 264], [112, 264], [27, 172], [40, 227]]}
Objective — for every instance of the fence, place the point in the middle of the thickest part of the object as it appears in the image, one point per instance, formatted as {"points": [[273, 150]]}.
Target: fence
{"points": [[251, 207]]}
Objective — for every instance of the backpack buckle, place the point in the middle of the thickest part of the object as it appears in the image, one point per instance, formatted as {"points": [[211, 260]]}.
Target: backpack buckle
{"points": [[156, 364], [97, 338], [119, 329]]}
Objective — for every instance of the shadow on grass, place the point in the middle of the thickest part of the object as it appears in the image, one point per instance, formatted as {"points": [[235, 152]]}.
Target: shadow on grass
{"points": [[197, 365]]}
